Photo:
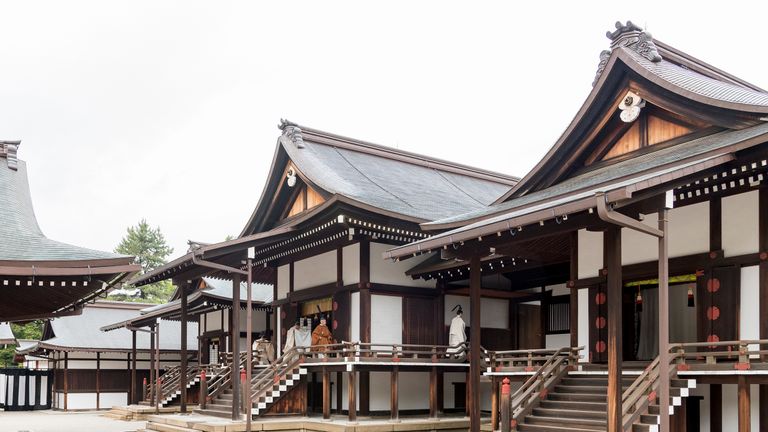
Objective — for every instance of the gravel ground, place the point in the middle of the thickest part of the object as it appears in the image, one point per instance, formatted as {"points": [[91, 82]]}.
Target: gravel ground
{"points": [[57, 421]]}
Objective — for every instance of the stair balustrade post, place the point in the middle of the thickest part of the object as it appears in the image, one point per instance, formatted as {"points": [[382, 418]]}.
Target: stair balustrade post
{"points": [[203, 389], [245, 392], [506, 406], [144, 389]]}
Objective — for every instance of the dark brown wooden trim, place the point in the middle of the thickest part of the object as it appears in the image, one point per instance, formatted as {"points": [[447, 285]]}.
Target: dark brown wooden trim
{"points": [[379, 288], [716, 408], [351, 396], [744, 404], [763, 289], [183, 364], [715, 224], [320, 291], [66, 378], [133, 399], [365, 319], [475, 287], [98, 380], [394, 395], [612, 260], [574, 292]]}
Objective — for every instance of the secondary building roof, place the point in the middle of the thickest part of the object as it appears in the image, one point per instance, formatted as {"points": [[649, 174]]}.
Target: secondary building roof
{"points": [[6, 335], [82, 332]]}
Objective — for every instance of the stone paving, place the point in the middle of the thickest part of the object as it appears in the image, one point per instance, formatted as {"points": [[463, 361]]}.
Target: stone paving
{"points": [[58, 421]]}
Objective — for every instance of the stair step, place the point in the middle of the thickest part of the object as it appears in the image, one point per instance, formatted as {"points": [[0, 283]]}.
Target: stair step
{"points": [[162, 427], [574, 405], [215, 413], [593, 381], [548, 428], [581, 389], [642, 427], [567, 422], [567, 413], [577, 397]]}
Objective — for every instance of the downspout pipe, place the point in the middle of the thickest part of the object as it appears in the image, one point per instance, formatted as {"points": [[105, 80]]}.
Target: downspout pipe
{"points": [[607, 214]]}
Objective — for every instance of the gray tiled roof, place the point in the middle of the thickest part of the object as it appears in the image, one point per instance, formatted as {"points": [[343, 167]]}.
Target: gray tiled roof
{"points": [[609, 173], [223, 289], [699, 84], [6, 335], [83, 331], [411, 189], [20, 236]]}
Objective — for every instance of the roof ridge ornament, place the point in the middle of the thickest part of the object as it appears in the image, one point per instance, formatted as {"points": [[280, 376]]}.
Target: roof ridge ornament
{"points": [[9, 149], [292, 131], [629, 36]]}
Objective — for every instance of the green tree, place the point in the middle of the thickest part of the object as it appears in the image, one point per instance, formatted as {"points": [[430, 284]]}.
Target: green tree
{"points": [[32, 330], [149, 247]]}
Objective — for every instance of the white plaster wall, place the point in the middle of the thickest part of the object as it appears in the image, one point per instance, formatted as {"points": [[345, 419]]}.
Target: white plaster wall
{"points": [[44, 394], [590, 253], [350, 257], [393, 273], [386, 319], [354, 321], [731, 407], [78, 401], [109, 400], [380, 391], [703, 391], [3, 387], [113, 364], [314, 271], [740, 224], [344, 398], [258, 319], [283, 281], [212, 321], [495, 312], [749, 316], [583, 331], [413, 390], [558, 341], [449, 378], [279, 330]]}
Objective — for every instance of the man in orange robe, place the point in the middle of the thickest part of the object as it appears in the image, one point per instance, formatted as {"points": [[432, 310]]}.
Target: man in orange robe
{"points": [[321, 335]]}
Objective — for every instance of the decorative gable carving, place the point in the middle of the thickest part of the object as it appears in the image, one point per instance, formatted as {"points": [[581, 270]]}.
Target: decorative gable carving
{"points": [[629, 36]]}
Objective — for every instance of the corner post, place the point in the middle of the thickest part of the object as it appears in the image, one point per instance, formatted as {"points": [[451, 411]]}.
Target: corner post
{"points": [[612, 256], [474, 342], [663, 322], [234, 335]]}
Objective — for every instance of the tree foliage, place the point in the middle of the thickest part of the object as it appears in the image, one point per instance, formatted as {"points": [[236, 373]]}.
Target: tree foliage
{"points": [[151, 250], [32, 330]]}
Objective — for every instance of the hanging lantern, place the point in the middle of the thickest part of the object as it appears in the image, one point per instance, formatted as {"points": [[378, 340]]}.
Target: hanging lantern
{"points": [[691, 301], [639, 301]]}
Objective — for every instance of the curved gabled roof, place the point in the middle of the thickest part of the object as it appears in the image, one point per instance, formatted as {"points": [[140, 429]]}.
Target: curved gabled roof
{"points": [[20, 236], [395, 183], [635, 55]]}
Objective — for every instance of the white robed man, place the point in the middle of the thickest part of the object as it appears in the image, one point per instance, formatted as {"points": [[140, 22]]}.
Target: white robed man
{"points": [[297, 335], [456, 334]]}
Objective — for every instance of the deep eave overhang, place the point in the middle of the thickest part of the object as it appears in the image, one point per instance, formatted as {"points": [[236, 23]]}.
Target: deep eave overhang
{"points": [[616, 192]]}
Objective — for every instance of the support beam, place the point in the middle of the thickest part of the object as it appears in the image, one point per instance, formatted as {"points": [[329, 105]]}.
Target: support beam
{"points": [[612, 257], [744, 404], [494, 403], [158, 386], [183, 366], [351, 396], [574, 298], [339, 391], [326, 394], [394, 410], [66, 378], [248, 340], [152, 377], [663, 322], [365, 319], [98, 380], [763, 289], [716, 408], [433, 393], [234, 334], [134, 399], [474, 341]]}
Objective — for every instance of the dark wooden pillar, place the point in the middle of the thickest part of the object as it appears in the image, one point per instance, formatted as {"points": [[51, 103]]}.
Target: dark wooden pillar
{"points": [[151, 364], [763, 278], [326, 394], [351, 396], [474, 341], [66, 378], [494, 403], [394, 403], [744, 404], [234, 332], [183, 366], [98, 380], [574, 298], [133, 399], [433, 393], [365, 320], [339, 390], [715, 408], [612, 257], [159, 390]]}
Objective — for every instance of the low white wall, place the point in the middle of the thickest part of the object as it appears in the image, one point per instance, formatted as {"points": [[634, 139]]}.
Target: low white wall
{"points": [[448, 379], [354, 320], [283, 281], [557, 341], [749, 315], [583, 331], [731, 407], [590, 253]]}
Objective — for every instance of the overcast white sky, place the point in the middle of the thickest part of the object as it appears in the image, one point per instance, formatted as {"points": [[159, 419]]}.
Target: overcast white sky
{"points": [[168, 110]]}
